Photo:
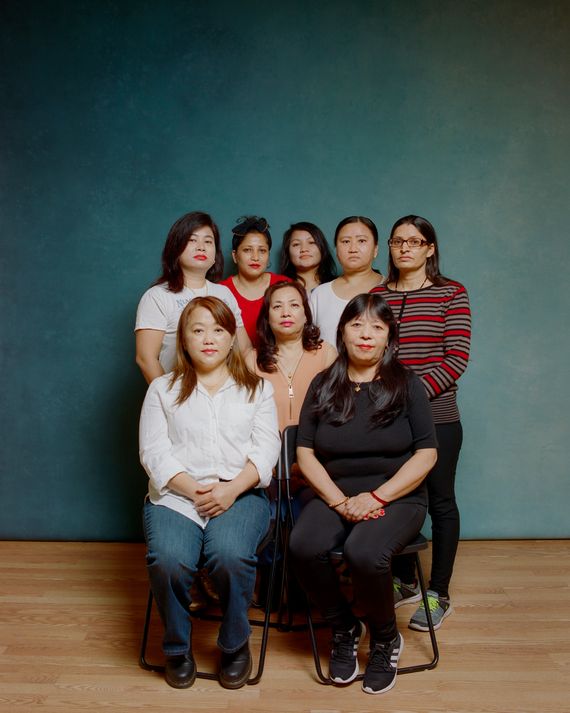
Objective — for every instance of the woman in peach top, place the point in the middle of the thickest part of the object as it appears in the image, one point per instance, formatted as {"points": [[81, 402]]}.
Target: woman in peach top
{"points": [[290, 351]]}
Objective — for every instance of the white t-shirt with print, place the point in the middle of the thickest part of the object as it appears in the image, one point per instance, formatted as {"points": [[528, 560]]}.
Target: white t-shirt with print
{"points": [[161, 309]]}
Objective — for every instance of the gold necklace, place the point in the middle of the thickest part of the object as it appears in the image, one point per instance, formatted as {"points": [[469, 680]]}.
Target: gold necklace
{"points": [[357, 384], [289, 376]]}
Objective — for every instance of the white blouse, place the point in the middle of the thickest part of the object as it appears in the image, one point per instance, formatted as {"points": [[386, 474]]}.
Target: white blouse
{"points": [[209, 437]]}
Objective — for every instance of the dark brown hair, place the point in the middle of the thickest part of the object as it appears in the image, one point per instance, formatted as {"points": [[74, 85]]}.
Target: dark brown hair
{"points": [[266, 345], [176, 242], [184, 369], [427, 231]]}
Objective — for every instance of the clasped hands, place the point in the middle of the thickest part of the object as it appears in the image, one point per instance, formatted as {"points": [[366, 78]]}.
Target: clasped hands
{"points": [[360, 507], [214, 499]]}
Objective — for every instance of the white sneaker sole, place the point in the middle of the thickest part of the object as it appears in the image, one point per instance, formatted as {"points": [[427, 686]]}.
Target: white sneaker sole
{"points": [[409, 600], [393, 682], [344, 681], [424, 627]]}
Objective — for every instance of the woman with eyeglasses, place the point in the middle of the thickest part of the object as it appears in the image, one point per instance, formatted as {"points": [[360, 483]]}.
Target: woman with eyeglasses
{"points": [[305, 256], [251, 245], [192, 263], [434, 320], [356, 243]]}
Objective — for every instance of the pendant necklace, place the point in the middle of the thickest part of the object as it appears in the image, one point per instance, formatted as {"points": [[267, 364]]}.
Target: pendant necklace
{"points": [[289, 379]]}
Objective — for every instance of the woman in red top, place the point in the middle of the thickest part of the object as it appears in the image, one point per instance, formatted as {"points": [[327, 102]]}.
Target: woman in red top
{"points": [[251, 244]]}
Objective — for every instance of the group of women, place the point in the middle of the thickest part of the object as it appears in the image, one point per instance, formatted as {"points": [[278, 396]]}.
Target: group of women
{"points": [[366, 365]]}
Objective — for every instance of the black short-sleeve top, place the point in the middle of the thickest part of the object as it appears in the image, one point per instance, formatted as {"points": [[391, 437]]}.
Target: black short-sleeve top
{"points": [[360, 456]]}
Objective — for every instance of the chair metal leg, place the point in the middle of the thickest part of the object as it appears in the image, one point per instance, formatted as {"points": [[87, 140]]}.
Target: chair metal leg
{"points": [[405, 669], [434, 661], [143, 663]]}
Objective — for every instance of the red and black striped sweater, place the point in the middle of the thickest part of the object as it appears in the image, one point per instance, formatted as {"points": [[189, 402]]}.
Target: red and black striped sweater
{"points": [[435, 335]]}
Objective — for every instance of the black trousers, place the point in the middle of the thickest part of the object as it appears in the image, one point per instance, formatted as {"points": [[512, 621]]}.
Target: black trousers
{"points": [[443, 510], [368, 550]]}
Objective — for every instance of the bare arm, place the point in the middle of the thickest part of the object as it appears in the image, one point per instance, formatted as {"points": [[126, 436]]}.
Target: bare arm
{"points": [[148, 344], [317, 477], [407, 479], [243, 340]]}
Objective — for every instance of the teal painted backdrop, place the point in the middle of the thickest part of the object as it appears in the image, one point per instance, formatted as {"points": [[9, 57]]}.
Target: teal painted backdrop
{"points": [[119, 116]]}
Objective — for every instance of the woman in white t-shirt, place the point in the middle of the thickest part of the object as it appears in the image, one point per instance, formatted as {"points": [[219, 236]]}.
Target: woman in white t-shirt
{"points": [[356, 243], [192, 263], [208, 441]]}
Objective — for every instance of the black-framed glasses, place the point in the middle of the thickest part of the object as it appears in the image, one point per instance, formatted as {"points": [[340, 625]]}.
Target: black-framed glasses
{"points": [[410, 242]]}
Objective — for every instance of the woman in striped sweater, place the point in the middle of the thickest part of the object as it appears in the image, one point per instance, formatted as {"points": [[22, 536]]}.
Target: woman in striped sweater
{"points": [[435, 332]]}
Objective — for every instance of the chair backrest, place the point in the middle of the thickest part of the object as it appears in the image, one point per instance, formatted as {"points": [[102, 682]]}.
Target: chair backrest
{"points": [[288, 451]]}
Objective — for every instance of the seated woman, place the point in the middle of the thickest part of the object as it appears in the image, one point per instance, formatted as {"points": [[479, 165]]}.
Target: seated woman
{"points": [[306, 257], [208, 442], [289, 353], [251, 245], [366, 442]]}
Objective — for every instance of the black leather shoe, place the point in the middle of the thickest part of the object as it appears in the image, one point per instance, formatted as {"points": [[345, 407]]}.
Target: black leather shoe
{"points": [[180, 671], [235, 668]]}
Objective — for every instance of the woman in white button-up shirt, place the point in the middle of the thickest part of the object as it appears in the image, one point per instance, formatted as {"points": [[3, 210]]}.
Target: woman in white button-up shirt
{"points": [[208, 442]]}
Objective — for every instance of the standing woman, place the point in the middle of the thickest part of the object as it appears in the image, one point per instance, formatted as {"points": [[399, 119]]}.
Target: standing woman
{"points": [[290, 352], [366, 442], [356, 243], [251, 245], [435, 333], [208, 442], [305, 256], [192, 262]]}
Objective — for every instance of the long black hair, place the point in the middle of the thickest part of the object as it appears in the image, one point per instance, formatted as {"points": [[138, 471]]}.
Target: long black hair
{"points": [[326, 271], [176, 242], [423, 226], [388, 391]]}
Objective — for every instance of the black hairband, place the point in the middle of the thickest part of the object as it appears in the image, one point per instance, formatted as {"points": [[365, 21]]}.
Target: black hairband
{"points": [[251, 224]]}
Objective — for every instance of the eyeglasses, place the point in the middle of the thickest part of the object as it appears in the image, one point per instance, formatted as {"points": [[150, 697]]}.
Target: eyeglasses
{"points": [[410, 242]]}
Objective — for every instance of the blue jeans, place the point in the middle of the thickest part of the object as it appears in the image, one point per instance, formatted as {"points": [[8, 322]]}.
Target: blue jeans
{"points": [[228, 545]]}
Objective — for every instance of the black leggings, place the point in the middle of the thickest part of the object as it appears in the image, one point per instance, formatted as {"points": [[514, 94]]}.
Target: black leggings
{"points": [[368, 549], [443, 510]]}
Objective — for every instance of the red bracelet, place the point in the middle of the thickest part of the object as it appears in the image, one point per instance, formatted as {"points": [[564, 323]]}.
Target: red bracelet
{"points": [[382, 502]]}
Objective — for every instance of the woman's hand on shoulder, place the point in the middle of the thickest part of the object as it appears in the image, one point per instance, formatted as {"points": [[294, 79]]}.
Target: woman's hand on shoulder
{"points": [[214, 499]]}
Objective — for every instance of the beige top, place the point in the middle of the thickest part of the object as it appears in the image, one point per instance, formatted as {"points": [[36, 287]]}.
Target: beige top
{"points": [[289, 401]]}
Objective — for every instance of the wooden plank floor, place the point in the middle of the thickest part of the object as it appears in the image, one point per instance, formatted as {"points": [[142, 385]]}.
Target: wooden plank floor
{"points": [[71, 618]]}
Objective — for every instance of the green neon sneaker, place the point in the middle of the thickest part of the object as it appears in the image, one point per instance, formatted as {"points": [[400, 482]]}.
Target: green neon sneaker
{"points": [[439, 607], [405, 593]]}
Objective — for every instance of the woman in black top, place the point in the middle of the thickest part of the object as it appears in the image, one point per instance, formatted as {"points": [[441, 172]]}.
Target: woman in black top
{"points": [[366, 442]]}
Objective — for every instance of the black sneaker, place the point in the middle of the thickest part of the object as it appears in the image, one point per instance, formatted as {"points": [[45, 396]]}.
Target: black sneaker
{"points": [[343, 664], [382, 667]]}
